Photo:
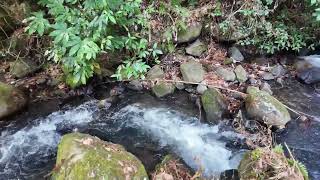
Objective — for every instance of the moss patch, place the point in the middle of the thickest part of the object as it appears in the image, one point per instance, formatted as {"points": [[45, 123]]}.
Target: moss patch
{"points": [[82, 156]]}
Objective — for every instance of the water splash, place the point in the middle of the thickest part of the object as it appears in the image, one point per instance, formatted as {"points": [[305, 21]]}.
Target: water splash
{"points": [[36, 143], [199, 145]]}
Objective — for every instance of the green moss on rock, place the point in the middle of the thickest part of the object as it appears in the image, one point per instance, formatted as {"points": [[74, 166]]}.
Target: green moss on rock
{"points": [[214, 104], [266, 163], [162, 89], [264, 107], [191, 33], [85, 157]]}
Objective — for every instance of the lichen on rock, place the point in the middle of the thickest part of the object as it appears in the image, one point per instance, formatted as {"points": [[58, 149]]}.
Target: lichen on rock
{"points": [[264, 107], [84, 157]]}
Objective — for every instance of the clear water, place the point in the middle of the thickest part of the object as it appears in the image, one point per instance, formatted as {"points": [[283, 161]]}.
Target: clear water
{"points": [[149, 129]]}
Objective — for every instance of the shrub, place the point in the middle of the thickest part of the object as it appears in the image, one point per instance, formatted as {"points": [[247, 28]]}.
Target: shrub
{"points": [[271, 25], [82, 29]]}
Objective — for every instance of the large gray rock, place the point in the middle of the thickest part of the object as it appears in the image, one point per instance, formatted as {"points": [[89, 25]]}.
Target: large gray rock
{"points": [[11, 100], [263, 107], [226, 74], [278, 70], [192, 71], [235, 54], [81, 156], [241, 74], [196, 48], [155, 73], [190, 34], [21, 68], [163, 89], [214, 104]]}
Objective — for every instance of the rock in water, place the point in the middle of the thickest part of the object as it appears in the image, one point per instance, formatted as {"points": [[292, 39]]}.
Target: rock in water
{"points": [[309, 69], [214, 105], [192, 71], [235, 54], [11, 100], [241, 74], [81, 156], [196, 48], [155, 73], [191, 33], [264, 107], [162, 89], [22, 68], [226, 74]]}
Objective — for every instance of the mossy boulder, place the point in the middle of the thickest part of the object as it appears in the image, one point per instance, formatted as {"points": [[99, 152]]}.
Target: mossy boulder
{"points": [[155, 73], [263, 107], [11, 100], [214, 105], [22, 67], [84, 157], [196, 48], [192, 71], [191, 33], [266, 163], [226, 74], [162, 89], [241, 74]]}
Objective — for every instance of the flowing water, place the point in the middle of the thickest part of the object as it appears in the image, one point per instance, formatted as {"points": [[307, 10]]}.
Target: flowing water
{"points": [[303, 138], [147, 127]]}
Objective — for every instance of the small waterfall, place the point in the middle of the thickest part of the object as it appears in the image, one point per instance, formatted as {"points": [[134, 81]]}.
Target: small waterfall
{"points": [[198, 144], [33, 145]]}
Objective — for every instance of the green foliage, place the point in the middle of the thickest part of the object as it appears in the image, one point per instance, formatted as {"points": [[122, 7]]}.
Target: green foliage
{"points": [[82, 29], [271, 27], [174, 15], [256, 154]]}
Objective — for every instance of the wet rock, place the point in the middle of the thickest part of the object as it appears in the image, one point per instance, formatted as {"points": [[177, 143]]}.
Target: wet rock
{"points": [[190, 34], [278, 71], [266, 87], [235, 54], [253, 81], [163, 89], [22, 68], [155, 73], [214, 104], [201, 88], [196, 48], [309, 69], [81, 156], [241, 74], [265, 108], [11, 100], [267, 76], [192, 71], [310, 76], [179, 85], [135, 85], [231, 174], [226, 74], [264, 163]]}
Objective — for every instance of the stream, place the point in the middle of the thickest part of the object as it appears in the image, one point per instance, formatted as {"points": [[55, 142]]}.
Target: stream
{"points": [[149, 128], [146, 126]]}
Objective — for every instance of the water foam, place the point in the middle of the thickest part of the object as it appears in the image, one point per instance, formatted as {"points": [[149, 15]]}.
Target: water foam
{"points": [[198, 144], [37, 141]]}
